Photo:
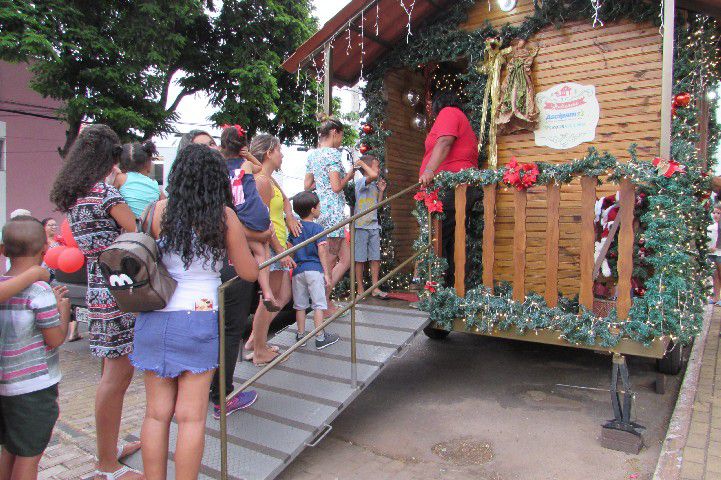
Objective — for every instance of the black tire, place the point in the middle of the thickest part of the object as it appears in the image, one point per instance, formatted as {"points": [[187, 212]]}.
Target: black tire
{"points": [[435, 333], [671, 363]]}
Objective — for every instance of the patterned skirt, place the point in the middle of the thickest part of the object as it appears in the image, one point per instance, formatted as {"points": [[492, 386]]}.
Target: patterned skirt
{"points": [[111, 331]]}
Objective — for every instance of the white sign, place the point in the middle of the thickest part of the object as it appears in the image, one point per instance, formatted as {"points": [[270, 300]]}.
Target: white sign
{"points": [[568, 115]]}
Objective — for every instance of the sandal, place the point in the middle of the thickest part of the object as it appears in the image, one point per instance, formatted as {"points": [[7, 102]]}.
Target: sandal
{"points": [[249, 356], [261, 365], [132, 448], [270, 305], [117, 474]]}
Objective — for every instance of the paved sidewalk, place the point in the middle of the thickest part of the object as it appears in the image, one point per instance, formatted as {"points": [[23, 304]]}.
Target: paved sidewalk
{"points": [[71, 453], [702, 453]]}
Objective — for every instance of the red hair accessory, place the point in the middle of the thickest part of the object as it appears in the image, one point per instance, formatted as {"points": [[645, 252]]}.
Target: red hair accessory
{"points": [[238, 128]]}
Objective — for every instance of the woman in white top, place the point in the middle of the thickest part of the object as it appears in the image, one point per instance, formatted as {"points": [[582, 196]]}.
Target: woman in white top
{"points": [[177, 347], [714, 253]]}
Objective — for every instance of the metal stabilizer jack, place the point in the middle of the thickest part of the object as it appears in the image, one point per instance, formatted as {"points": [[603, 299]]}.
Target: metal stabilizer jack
{"points": [[621, 433]]}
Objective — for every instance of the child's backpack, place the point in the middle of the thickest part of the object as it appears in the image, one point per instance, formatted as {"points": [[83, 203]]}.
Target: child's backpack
{"points": [[132, 269]]}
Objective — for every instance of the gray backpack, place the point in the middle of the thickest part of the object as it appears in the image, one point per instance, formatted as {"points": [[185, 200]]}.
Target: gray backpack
{"points": [[131, 266]]}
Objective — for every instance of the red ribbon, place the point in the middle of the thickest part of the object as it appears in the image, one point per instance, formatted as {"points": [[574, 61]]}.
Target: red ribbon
{"points": [[431, 286]]}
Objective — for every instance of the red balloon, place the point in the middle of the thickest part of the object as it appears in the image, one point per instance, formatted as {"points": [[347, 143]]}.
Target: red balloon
{"points": [[52, 256], [71, 260], [67, 235]]}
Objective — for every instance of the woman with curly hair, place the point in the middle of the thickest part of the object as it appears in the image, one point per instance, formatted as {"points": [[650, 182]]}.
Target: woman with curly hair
{"points": [[97, 214], [177, 346]]}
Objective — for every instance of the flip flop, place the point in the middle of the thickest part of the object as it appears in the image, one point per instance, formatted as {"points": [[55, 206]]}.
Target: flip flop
{"points": [[117, 474], [249, 356], [132, 447], [261, 365]]}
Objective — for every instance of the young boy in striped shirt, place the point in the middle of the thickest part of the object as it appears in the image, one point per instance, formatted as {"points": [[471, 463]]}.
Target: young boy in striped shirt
{"points": [[33, 323]]}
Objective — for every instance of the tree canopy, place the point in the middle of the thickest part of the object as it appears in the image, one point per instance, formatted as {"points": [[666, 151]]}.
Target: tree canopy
{"points": [[114, 62]]}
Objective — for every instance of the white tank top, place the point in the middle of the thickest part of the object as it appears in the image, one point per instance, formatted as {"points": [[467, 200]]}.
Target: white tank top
{"points": [[197, 287]]}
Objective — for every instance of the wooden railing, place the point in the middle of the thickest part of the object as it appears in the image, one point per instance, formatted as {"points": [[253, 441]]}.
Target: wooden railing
{"points": [[587, 242]]}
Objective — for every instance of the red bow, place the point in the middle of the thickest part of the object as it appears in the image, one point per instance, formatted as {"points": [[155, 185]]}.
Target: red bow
{"points": [[238, 128], [668, 167], [520, 176], [433, 204], [431, 286]]}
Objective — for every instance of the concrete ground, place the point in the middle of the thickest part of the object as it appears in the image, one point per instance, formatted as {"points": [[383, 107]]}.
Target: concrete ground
{"points": [[468, 407], [482, 408]]}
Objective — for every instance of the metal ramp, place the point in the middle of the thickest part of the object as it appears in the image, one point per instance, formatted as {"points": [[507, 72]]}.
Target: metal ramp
{"points": [[299, 398]]}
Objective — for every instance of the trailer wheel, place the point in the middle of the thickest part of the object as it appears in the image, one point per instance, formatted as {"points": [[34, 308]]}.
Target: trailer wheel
{"points": [[435, 333], [671, 363]]}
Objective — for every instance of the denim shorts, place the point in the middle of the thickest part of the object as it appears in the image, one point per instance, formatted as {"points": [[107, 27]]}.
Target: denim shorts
{"points": [[170, 343], [276, 266], [367, 245]]}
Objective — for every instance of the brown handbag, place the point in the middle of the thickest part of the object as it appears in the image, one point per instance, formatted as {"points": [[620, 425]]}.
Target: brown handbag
{"points": [[133, 270]]}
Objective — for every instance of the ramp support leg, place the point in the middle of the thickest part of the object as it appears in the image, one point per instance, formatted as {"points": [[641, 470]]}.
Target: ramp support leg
{"points": [[621, 433], [353, 354]]}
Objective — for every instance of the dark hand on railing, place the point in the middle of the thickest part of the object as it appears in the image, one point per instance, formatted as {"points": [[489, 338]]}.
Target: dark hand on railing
{"points": [[426, 177]]}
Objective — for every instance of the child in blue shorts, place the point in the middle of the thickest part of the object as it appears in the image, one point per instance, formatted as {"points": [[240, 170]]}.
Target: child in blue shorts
{"points": [[368, 192], [33, 324], [311, 275]]}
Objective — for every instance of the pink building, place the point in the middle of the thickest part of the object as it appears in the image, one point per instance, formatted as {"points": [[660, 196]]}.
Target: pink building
{"points": [[29, 138]]}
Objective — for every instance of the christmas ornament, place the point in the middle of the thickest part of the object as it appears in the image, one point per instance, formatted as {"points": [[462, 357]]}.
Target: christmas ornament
{"points": [[682, 99], [668, 167], [419, 122], [363, 149], [411, 98], [367, 128]]}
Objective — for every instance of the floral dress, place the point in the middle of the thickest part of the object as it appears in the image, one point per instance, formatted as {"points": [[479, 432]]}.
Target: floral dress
{"points": [[321, 162], [111, 331]]}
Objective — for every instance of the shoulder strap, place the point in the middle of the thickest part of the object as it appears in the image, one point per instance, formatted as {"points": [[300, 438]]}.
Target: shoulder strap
{"points": [[604, 248], [149, 213]]}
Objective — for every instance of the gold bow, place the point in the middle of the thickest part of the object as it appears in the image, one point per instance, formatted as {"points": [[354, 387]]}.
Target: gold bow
{"points": [[493, 60]]}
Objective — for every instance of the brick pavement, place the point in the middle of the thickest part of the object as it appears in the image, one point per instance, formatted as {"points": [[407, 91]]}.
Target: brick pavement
{"points": [[702, 453], [71, 453]]}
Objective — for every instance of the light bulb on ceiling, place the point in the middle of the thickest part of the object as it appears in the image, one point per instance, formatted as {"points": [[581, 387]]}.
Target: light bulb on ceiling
{"points": [[506, 5]]}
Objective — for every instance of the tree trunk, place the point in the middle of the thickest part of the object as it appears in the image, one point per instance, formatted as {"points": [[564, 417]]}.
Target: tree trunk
{"points": [[70, 135]]}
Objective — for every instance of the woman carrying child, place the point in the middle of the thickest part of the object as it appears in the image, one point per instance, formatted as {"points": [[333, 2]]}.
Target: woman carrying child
{"points": [[134, 181], [97, 214], [266, 148], [325, 174], [177, 347], [250, 208]]}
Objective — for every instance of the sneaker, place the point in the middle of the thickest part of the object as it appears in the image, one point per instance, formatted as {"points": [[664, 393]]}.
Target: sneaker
{"points": [[330, 339], [298, 337], [239, 402]]}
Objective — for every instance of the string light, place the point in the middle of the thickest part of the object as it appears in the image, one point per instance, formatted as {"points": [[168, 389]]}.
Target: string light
{"points": [[409, 12], [596, 4]]}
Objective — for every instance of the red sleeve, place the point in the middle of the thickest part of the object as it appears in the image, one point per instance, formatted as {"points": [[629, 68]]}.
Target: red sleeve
{"points": [[448, 122]]}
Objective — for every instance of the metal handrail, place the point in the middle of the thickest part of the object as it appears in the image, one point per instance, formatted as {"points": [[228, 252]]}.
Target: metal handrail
{"points": [[351, 306]]}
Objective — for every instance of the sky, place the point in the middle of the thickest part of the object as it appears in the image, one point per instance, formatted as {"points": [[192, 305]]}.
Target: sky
{"points": [[193, 112]]}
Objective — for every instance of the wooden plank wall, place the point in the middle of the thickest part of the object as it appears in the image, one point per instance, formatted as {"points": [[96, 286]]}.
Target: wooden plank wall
{"points": [[623, 61], [404, 152]]}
